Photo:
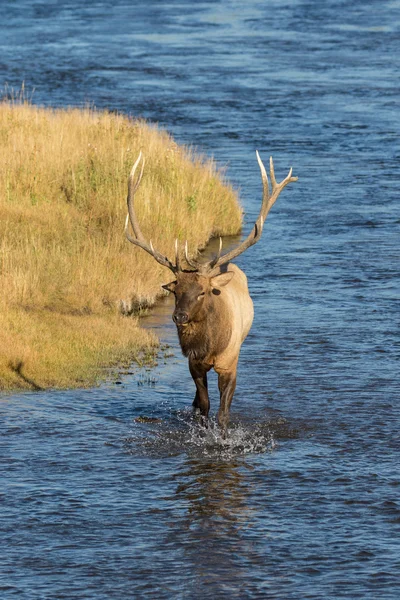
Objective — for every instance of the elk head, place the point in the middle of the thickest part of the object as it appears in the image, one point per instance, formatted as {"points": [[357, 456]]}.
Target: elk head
{"points": [[192, 291]]}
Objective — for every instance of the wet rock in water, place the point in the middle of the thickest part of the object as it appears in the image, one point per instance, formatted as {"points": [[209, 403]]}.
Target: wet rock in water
{"points": [[143, 419]]}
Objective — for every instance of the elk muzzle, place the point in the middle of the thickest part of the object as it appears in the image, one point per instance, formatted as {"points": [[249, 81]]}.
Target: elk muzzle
{"points": [[180, 317]]}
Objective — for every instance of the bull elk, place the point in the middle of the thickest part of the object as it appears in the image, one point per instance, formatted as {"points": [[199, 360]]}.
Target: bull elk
{"points": [[213, 309]]}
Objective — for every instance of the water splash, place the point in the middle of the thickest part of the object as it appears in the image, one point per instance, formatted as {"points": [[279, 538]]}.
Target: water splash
{"points": [[182, 434]]}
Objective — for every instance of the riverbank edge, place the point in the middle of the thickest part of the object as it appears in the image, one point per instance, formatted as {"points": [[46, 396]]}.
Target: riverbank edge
{"points": [[66, 341]]}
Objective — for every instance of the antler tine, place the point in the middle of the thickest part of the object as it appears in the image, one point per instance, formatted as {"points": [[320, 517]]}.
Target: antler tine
{"points": [[261, 225], [132, 188], [220, 248], [133, 170], [264, 175], [190, 262], [272, 173], [177, 261], [268, 201], [217, 256], [139, 239]]}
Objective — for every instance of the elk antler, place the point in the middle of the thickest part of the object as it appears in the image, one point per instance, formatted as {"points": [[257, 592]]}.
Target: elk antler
{"points": [[139, 239], [213, 265], [268, 201]]}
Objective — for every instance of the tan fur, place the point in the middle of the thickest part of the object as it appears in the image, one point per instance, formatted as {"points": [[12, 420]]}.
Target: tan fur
{"points": [[219, 313], [238, 308]]}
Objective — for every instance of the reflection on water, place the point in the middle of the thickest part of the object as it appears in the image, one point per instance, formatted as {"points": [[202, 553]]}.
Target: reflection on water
{"points": [[215, 494], [116, 492]]}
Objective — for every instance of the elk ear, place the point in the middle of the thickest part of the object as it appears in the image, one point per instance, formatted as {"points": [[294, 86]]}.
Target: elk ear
{"points": [[222, 279], [170, 287]]}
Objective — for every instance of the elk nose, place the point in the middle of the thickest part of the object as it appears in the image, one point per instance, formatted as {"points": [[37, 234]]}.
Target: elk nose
{"points": [[180, 317]]}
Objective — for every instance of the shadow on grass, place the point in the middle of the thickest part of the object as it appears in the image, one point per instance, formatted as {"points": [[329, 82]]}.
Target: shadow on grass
{"points": [[17, 368]]}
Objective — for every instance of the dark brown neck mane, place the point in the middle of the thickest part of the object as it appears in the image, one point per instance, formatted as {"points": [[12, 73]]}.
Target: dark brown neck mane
{"points": [[209, 334]]}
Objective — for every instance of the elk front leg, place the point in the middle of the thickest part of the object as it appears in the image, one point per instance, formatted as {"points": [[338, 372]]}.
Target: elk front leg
{"points": [[226, 385], [201, 400]]}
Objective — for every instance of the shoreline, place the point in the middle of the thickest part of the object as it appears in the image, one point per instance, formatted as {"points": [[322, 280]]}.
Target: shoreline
{"points": [[66, 269]]}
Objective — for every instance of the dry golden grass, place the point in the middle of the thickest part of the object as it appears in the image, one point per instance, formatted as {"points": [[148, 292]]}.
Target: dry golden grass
{"points": [[65, 265]]}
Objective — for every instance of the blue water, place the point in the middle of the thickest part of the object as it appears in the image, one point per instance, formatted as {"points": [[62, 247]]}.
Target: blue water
{"points": [[302, 499]]}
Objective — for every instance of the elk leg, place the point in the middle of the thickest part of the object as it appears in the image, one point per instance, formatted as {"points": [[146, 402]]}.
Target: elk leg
{"points": [[196, 402], [201, 400], [226, 385]]}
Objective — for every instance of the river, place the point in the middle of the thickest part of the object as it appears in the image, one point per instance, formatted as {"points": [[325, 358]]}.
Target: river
{"points": [[301, 501]]}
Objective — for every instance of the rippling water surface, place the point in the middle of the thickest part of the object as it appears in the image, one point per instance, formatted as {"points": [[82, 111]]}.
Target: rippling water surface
{"points": [[115, 492]]}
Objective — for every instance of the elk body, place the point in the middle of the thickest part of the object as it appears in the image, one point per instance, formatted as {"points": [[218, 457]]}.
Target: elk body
{"points": [[213, 309]]}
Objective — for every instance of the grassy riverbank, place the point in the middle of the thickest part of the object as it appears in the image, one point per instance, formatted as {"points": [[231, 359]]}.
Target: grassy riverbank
{"points": [[65, 265]]}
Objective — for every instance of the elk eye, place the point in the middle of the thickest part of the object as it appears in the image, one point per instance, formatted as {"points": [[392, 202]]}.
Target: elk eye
{"points": [[200, 295]]}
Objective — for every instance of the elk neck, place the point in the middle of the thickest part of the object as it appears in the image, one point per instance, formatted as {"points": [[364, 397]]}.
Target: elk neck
{"points": [[209, 333]]}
